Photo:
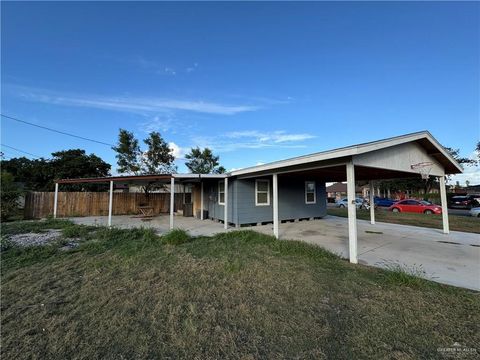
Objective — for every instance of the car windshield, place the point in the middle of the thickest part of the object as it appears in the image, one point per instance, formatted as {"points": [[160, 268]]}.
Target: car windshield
{"points": [[425, 202]]}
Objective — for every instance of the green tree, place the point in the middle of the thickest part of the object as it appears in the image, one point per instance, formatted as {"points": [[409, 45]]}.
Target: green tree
{"points": [[75, 163], [10, 193], [156, 159], [128, 153], [460, 159], [39, 174], [203, 162]]}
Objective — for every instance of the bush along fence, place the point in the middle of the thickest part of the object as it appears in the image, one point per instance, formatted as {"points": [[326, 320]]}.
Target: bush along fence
{"points": [[40, 204]]}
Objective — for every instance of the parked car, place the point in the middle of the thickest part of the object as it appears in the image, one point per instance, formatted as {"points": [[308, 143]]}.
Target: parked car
{"points": [[343, 203], [416, 206], [475, 212], [383, 201], [463, 202]]}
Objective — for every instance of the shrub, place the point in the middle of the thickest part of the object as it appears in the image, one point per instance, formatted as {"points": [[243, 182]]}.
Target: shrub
{"points": [[403, 275], [5, 244], [176, 237], [10, 193], [75, 231]]}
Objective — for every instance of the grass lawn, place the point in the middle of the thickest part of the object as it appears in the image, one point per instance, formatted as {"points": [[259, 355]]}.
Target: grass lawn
{"points": [[129, 294], [457, 223]]}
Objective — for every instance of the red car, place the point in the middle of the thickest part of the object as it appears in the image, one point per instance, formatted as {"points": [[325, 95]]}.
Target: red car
{"points": [[415, 206]]}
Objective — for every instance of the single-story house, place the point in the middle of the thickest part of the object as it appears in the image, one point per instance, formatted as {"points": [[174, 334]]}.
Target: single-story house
{"points": [[294, 188], [338, 190]]}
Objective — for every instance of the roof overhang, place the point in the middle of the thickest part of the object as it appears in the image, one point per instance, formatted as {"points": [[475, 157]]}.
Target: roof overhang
{"points": [[423, 138], [129, 178], [142, 178]]}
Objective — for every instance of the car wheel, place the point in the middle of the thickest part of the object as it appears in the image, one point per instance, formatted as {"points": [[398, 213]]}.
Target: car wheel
{"points": [[341, 206], [396, 210], [428, 212]]}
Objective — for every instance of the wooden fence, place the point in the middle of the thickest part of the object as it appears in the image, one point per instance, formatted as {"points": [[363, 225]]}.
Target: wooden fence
{"points": [[40, 204]]}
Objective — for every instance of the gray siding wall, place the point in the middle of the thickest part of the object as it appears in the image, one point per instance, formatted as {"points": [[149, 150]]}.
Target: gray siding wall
{"points": [[241, 200], [291, 201], [215, 210]]}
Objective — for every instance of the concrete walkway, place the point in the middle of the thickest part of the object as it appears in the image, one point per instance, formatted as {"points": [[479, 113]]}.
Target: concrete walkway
{"points": [[452, 259]]}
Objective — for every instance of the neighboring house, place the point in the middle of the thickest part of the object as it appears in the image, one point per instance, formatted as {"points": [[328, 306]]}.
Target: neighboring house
{"points": [[466, 190], [338, 190]]}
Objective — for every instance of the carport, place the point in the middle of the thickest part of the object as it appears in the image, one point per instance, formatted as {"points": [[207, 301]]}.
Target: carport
{"points": [[167, 181], [406, 156]]}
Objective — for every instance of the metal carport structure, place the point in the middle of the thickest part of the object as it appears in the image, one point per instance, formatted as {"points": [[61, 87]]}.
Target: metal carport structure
{"points": [[390, 158]]}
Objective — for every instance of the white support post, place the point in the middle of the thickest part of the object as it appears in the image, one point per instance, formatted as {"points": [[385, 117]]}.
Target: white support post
{"points": [[110, 205], [275, 206], [201, 200], [172, 200], [352, 213], [225, 210], [372, 204], [443, 197], [389, 195], [55, 201]]}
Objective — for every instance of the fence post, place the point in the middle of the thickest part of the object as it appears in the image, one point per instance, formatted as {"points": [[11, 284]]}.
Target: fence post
{"points": [[110, 204], [55, 201]]}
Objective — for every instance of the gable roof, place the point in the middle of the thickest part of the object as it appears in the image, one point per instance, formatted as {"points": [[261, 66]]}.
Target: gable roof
{"points": [[340, 187], [424, 138]]}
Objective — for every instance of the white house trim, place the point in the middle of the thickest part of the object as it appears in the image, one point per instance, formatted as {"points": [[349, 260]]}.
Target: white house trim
{"points": [[220, 183], [275, 206], [225, 210], [352, 214], [263, 191], [314, 192], [172, 200]]}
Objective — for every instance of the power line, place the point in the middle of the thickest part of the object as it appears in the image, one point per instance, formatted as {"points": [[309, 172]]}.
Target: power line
{"points": [[57, 131], [22, 151]]}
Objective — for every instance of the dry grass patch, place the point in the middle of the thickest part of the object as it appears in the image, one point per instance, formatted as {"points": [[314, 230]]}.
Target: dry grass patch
{"points": [[131, 294]]}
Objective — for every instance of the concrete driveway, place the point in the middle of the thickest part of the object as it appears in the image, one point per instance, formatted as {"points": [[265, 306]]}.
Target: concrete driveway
{"points": [[452, 259]]}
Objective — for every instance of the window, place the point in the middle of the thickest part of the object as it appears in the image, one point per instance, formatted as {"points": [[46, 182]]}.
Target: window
{"points": [[221, 193], [262, 192], [310, 192]]}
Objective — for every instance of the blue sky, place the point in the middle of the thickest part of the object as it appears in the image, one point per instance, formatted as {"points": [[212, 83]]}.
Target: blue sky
{"points": [[256, 82]]}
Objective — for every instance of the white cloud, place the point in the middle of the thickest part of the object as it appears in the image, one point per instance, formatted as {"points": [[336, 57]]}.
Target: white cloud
{"points": [[191, 68], [177, 151], [170, 71], [162, 123], [135, 104], [470, 173], [251, 139], [278, 136]]}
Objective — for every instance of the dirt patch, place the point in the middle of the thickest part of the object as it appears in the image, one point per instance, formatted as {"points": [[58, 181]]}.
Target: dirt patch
{"points": [[36, 239]]}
